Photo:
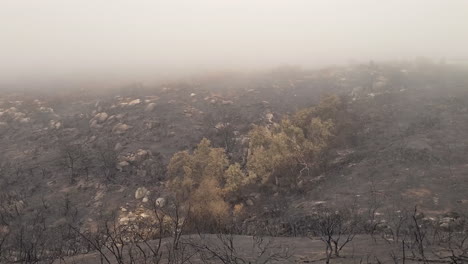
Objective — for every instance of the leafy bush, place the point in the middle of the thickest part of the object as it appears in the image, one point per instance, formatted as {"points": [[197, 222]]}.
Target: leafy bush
{"points": [[204, 179], [293, 146]]}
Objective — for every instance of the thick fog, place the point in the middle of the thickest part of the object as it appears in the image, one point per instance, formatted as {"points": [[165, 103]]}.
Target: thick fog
{"points": [[138, 39]]}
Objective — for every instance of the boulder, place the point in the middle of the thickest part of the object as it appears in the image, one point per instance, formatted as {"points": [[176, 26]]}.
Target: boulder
{"points": [[120, 128], [94, 124], [24, 120], [124, 220], [46, 109], [269, 117], [54, 124], [141, 155], [121, 165], [220, 125], [101, 117], [150, 107], [134, 102], [160, 202], [141, 192], [118, 147]]}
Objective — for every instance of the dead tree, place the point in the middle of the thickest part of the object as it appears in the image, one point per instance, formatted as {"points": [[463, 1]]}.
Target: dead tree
{"points": [[74, 158], [226, 248], [335, 229]]}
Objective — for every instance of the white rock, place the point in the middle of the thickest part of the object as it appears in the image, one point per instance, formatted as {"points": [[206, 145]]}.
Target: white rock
{"points": [[24, 120], [134, 102], [141, 155], [141, 193], [124, 220], [46, 109], [122, 165], [94, 124], [221, 125], [144, 215], [101, 117], [55, 124], [120, 128], [160, 202], [150, 107]]}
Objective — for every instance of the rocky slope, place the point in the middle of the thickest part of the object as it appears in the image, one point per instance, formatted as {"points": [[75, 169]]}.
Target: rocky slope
{"points": [[407, 144]]}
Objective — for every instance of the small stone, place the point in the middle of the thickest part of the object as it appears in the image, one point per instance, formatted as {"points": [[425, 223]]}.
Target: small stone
{"points": [[160, 202]]}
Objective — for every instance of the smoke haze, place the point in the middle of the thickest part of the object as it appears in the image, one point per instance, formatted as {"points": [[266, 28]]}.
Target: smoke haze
{"points": [[59, 39]]}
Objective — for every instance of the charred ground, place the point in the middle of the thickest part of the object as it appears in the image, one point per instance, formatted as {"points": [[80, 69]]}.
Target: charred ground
{"points": [[72, 158]]}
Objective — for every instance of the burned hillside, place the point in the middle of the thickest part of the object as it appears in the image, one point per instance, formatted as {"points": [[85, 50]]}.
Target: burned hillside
{"points": [[249, 154]]}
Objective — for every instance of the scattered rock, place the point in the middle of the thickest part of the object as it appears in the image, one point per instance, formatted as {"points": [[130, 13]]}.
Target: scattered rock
{"points": [[101, 117], [121, 165], [120, 128], [141, 155], [141, 193], [55, 124], [220, 125], [269, 117], [150, 107], [160, 202], [124, 220], [94, 124], [24, 120], [320, 203], [134, 102]]}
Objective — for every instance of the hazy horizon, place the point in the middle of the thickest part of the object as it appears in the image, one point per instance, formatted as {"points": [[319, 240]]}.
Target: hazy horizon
{"points": [[145, 40]]}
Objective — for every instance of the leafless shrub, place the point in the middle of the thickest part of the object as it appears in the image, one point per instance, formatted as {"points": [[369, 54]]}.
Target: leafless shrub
{"points": [[335, 228]]}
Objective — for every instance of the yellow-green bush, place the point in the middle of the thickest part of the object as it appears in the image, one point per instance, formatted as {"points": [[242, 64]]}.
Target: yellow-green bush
{"points": [[203, 179], [287, 149]]}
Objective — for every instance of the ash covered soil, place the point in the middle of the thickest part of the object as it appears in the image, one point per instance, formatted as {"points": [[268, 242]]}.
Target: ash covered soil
{"points": [[404, 144]]}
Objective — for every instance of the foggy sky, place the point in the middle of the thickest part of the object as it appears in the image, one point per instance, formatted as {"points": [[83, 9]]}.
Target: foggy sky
{"points": [[138, 39]]}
